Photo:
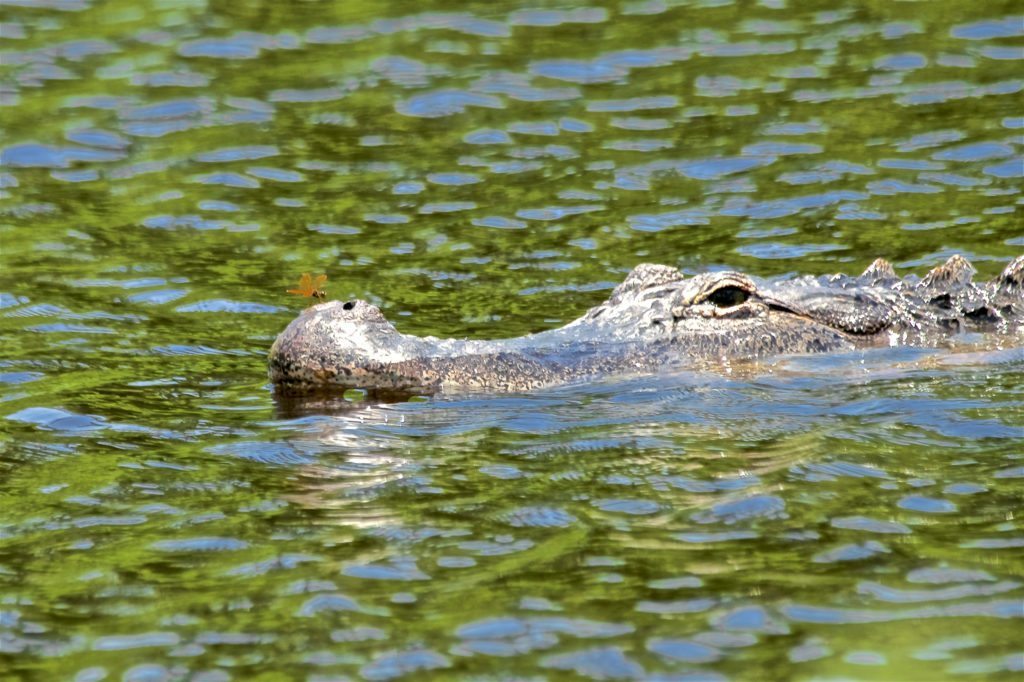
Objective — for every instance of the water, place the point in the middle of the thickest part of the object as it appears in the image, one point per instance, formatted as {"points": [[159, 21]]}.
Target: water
{"points": [[486, 170]]}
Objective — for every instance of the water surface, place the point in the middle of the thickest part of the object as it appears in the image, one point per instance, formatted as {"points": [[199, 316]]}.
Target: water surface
{"points": [[484, 170]]}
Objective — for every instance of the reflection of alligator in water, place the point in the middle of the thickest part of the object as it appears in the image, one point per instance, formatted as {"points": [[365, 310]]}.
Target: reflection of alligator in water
{"points": [[655, 318]]}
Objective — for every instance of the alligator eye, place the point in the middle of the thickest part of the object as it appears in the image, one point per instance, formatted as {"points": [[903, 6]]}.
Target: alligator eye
{"points": [[728, 296]]}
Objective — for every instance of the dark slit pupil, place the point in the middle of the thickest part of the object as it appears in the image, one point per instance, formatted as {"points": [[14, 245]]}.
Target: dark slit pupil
{"points": [[726, 297]]}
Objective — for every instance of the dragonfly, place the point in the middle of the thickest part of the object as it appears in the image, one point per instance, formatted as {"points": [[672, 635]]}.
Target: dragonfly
{"points": [[310, 286]]}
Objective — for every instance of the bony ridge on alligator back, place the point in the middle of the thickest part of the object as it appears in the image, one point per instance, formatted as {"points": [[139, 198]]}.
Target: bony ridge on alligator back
{"points": [[656, 317]]}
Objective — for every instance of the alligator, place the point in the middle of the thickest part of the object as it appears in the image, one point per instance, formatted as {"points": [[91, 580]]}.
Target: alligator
{"points": [[654, 319]]}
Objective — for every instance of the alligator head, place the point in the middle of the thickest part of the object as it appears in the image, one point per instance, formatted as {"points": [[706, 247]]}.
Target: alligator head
{"points": [[655, 318]]}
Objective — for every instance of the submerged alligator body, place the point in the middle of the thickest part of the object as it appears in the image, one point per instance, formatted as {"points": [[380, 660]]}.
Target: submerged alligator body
{"points": [[654, 319]]}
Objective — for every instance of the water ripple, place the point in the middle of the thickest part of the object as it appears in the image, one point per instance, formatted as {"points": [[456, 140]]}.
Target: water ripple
{"points": [[983, 609], [445, 103], [32, 154], [1007, 27], [891, 594], [202, 544], [147, 639], [401, 663], [598, 663]]}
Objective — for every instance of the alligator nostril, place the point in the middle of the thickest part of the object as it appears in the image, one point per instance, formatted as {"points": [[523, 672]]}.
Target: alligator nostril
{"points": [[348, 305]]}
